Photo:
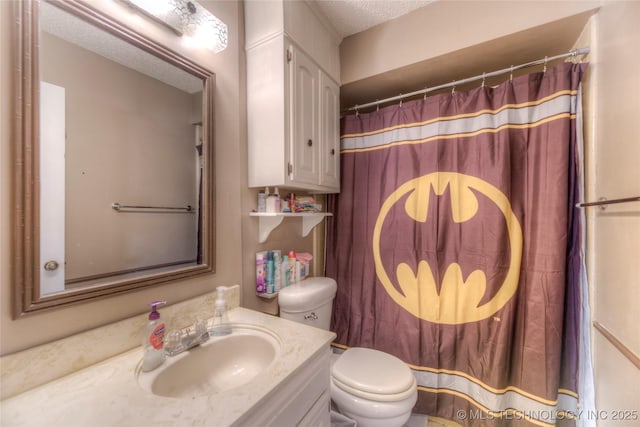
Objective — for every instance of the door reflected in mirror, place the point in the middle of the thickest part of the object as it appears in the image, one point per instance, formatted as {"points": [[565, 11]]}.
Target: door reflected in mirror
{"points": [[123, 129]]}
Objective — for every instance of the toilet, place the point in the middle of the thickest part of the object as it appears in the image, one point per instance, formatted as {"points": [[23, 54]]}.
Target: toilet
{"points": [[373, 388]]}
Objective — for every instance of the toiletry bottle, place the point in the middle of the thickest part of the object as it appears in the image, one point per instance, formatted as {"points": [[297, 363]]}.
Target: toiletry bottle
{"points": [[277, 201], [262, 200], [292, 202], [221, 325], [292, 267], [277, 270], [270, 273], [286, 269], [153, 339], [261, 272], [299, 271], [271, 203]]}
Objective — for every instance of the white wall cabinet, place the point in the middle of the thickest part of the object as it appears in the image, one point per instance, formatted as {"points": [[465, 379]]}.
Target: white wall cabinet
{"points": [[292, 99]]}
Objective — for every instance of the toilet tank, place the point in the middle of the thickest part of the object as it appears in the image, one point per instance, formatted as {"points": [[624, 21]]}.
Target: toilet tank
{"points": [[309, 301]]}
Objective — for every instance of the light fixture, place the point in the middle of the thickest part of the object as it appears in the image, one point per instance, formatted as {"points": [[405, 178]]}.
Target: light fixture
{"points": [[187, 18]]}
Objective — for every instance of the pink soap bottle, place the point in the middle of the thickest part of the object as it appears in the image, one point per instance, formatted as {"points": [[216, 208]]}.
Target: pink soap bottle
{"points": [[153, 339]]}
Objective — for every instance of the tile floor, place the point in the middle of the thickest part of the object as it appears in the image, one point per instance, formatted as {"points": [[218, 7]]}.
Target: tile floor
{"points": [[418, 420]]}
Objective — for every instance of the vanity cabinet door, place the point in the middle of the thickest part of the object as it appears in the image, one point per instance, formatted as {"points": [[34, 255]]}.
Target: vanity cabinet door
{"points": [[319, 415], [302, 399]]}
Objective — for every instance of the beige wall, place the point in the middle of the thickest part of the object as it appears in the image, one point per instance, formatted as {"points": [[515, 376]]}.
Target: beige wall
{"points": [[444, 27], [614, 245], [612, 147], [452, 40]]}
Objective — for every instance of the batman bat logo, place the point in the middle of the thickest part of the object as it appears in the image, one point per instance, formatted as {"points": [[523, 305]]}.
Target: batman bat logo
{"points": [[451, 299]]}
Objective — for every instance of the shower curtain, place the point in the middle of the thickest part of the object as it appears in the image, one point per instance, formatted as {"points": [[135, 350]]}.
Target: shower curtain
{"points": [[453, 243]]}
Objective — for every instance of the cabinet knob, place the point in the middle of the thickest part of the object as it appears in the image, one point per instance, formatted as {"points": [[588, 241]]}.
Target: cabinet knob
{"points": [[333, 151], [309, 143]]}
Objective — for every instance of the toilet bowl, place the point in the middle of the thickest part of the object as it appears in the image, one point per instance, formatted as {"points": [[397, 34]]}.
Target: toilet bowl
{"points": [[369, 386], [372, 387]]}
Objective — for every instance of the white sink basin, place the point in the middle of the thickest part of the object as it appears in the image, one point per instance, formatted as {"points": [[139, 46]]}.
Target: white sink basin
{"points": [[220, 364]]}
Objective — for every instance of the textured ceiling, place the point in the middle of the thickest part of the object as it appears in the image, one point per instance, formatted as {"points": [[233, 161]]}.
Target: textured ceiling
{"points": [[352, 16], [74, 30]]}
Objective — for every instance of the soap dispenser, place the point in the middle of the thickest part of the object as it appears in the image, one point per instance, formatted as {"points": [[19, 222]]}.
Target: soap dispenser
{"points": [[153, 339], [221, 325]]}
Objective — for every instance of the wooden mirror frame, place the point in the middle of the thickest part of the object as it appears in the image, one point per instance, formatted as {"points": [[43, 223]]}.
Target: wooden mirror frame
{"points": [[26, 135]]}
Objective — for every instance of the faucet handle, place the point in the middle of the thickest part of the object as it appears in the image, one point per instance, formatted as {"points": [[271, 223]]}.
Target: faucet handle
{"points": [[173, 342], [201, 330]]}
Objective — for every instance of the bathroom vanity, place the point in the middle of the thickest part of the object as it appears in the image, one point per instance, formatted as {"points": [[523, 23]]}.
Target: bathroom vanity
{"points": [[291, 390]]}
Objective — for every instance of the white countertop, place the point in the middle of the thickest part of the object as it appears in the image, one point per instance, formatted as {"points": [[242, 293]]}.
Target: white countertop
{"points": [[107, 393]]}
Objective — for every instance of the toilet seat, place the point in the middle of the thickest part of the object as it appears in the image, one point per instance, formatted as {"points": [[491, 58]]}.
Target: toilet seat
{"points": [[373, 375]]}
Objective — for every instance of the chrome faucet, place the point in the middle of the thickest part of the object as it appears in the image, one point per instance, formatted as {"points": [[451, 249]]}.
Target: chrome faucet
{"points": [[185, 339]]}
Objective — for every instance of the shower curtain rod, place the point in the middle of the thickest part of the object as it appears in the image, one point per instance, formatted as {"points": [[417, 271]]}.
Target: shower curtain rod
{"points": [[573, 53]]}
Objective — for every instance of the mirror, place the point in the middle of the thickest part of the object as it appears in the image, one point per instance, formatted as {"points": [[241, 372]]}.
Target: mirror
{"points": [[114, 157]]}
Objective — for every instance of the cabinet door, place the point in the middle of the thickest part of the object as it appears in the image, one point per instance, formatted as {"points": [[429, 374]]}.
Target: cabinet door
{"points": [[319, 415], [329, 133], [305, 143]]}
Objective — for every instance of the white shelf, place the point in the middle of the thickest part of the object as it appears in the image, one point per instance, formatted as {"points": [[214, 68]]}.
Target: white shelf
{"points": [[267, 296], [269, 221]]}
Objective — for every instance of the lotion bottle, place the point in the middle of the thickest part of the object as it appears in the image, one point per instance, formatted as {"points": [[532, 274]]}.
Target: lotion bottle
{"points": [[221, 325], [153, 339], [272, 205]]}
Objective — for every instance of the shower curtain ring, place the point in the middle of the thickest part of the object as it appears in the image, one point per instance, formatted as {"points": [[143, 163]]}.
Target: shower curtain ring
{"points": [[544, 69], [483, 79], [357, 112], [426, 89], [377, 106], [511, 74]]}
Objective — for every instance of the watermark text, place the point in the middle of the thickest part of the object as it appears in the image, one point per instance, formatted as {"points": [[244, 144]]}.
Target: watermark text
{"points": [[551, 415]]}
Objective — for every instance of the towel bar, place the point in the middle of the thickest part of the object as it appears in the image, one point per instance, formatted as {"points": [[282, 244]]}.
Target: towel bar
{"points": [[117, 206], [604, 202]]}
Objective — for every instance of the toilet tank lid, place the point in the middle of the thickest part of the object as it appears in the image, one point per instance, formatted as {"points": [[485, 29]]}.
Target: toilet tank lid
{"points": [[307, 294]]}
